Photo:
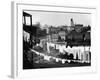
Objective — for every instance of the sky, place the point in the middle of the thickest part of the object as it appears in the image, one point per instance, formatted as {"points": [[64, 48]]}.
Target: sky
{"points": [[59, 18]]}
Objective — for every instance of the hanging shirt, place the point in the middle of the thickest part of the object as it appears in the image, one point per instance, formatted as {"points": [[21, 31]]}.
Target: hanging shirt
{"points": [[61, 49]]}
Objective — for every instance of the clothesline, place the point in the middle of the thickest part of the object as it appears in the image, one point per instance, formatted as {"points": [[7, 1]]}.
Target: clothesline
{"points": [[46, 57]]}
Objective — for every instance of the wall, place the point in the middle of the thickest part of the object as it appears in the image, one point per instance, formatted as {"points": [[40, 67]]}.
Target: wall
{"points": [[5, 38]]}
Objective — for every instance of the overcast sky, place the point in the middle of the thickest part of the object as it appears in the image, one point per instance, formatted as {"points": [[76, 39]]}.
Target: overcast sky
{"points": [[57, 18]]}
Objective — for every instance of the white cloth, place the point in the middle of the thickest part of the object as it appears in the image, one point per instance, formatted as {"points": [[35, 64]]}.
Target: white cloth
{"points": [[52, 44], [86, 48], [57, 46], [47, 58], [48, 49], [26, 36], [61, 49]]}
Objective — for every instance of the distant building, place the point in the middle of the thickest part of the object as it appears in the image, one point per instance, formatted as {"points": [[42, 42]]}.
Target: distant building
{"points": [[70, 28], [62, 34], [53, 29], [54, 37], [46, 27], [78, 27], [48, 37]]}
